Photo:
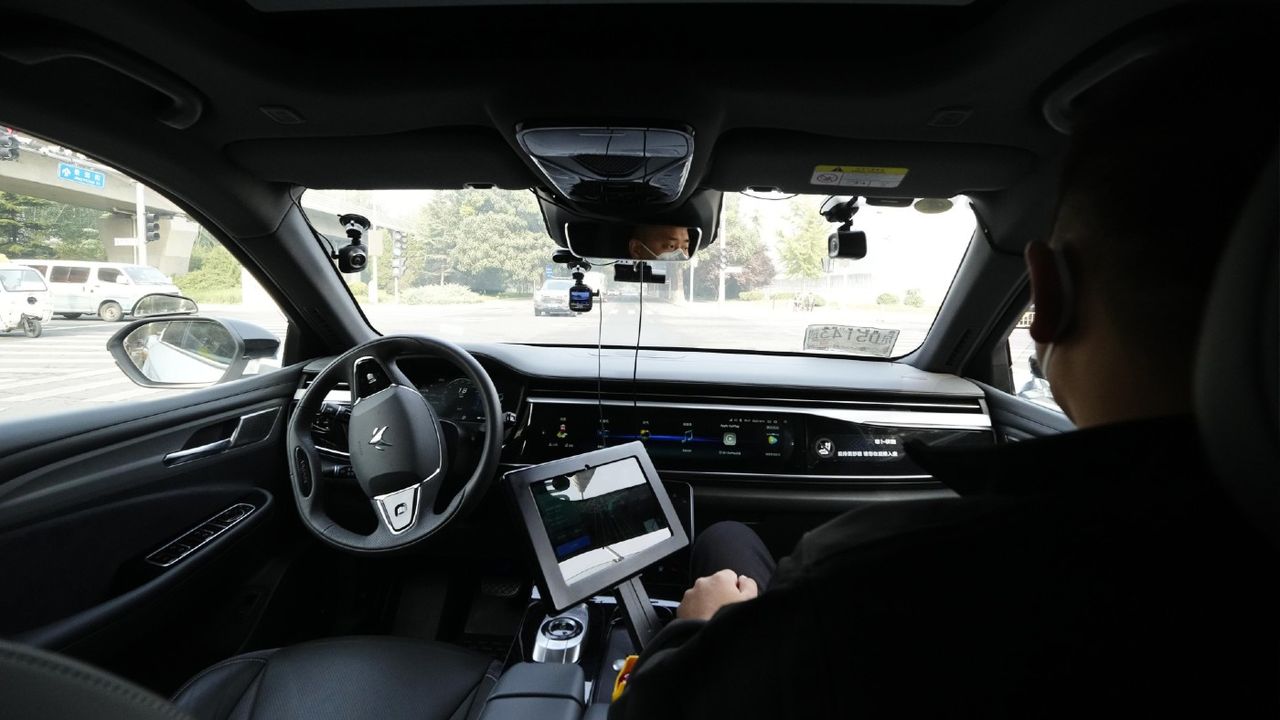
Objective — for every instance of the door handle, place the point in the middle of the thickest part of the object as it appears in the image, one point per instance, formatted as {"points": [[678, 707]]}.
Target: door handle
{"points": [[196, 453], [249, 429]]}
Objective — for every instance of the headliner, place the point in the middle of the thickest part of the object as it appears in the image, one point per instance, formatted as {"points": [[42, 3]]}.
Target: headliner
{"points": [[431, 97]]}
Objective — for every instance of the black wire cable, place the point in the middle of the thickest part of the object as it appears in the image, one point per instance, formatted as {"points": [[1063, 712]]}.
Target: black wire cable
{"points": [[333, 252], [635, 359], [602, 440]]}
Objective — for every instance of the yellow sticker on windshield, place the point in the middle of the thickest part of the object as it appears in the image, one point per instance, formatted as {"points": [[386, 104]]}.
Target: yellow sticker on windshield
{"points": [[858, 176]]}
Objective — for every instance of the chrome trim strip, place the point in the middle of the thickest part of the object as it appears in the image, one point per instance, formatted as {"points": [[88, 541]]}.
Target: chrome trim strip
{"points": [[786, 476], [878, 418], [793, 476]]}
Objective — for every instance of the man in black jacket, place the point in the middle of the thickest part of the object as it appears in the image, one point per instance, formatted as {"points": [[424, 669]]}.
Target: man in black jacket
{"points": [[1100, 572]]}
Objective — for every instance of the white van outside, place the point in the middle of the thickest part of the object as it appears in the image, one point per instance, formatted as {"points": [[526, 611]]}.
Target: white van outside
{"points": [[24, 299], [108, 290]]}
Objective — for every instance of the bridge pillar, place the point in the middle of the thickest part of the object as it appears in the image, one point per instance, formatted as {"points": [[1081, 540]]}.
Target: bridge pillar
{"points": [[171, 254]]}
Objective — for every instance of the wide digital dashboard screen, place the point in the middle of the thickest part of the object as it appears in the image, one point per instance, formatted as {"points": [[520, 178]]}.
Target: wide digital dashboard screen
{"points": [[673, 437], [752, 440]]}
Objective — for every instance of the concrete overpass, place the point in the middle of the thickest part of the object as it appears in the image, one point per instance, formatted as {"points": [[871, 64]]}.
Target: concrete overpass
{"points": [[44, 170]]}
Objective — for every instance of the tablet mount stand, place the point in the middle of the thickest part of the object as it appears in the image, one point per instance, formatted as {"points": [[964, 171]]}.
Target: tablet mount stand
{"points": [[642, 621]]}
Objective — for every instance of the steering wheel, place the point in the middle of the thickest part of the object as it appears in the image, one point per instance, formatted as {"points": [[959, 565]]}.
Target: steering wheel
{"points": [[398, 454]]}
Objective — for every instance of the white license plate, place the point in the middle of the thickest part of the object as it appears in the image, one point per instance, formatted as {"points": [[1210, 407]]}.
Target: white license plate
{"points": [[873, 342]]}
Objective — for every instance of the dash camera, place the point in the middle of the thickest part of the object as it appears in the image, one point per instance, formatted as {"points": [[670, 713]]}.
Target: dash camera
{"points": [[580, 295]]}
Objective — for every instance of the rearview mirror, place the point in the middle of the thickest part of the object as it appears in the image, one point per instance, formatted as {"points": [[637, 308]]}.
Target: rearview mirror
{"points": [[190, 352], [652, 243], [158, 304]]}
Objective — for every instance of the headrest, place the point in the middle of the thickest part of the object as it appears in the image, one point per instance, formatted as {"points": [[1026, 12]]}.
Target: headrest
{"points": [[1237, 367]]}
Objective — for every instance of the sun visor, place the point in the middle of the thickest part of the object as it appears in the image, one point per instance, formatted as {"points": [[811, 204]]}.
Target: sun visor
{"points": [[797, 162], [439, 159], [701, 210]]}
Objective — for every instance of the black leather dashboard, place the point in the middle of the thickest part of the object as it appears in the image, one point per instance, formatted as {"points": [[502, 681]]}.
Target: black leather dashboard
{"points": [[708, 416]]}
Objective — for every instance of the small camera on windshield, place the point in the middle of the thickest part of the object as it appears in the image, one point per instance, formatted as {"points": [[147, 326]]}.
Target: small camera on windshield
{"points": [[354, 257], [580, 295]]}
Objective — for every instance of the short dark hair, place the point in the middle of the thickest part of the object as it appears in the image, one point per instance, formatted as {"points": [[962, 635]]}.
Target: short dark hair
{"points": [[1161, 157]]}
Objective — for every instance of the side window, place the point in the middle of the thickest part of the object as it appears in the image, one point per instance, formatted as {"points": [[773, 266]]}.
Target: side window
{"points": [[74, 220], [1029, 382]]}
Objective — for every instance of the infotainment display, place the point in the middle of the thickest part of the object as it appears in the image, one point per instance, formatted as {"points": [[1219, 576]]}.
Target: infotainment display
{"points": [[594, 520], [832, 441], [674, 437]]}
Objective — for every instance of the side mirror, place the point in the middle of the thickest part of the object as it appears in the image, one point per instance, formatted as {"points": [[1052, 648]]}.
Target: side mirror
{"points": [[160, 304], [189, 352]]}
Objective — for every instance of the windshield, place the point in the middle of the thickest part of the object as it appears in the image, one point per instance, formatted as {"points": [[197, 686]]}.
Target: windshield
{"points": [[147, 275], [21, 280], [474, 265]]}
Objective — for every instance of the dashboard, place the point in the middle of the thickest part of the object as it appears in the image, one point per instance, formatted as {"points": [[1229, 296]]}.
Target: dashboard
{"points": [[705, 416]]}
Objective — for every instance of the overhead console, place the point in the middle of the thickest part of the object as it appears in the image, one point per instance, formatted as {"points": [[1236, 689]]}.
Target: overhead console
{"points": [[745, 437]]}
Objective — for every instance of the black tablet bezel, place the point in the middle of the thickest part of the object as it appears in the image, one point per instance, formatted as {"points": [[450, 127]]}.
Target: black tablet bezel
{"points": [[564, 595]]}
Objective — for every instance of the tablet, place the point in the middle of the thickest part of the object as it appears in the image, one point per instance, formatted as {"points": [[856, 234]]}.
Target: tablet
{"points": [[595, 520]]}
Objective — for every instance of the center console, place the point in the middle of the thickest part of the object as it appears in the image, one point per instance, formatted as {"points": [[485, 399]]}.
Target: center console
{"points": [[596, 521]]}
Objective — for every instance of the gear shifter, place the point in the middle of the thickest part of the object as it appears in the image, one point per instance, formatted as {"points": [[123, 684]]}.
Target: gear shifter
{"points": [[559, 638]]}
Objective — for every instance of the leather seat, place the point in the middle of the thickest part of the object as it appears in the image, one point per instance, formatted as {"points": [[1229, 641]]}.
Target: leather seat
{"points": [[353, 678], [1238, 366]]}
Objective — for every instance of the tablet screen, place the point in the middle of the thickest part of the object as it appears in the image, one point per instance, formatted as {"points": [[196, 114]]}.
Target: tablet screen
{"points": [[599, 517]]}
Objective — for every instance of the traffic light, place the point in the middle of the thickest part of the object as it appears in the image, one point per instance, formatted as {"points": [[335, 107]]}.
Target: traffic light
{"points": [[151, 230], [8, 144], [398, 260]]}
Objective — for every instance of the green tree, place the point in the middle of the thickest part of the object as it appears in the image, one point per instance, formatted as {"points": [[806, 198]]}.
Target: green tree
{"points": [[38, 228], [488, 240], [22, 233], [913, 298], [803, 244], [746, 249], [214, 274]]}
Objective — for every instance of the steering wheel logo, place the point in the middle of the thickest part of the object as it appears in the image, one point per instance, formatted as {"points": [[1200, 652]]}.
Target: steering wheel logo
{"points": [[376, 441]]}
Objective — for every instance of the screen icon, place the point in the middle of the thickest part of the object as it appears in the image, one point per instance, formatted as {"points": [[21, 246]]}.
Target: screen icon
{"points": [[644, 433], [772, 438], [824, 447], [688, 436], [730, 439]]}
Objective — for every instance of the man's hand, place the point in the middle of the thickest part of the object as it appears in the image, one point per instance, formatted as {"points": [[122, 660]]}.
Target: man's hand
{"points": [[713, 592]]}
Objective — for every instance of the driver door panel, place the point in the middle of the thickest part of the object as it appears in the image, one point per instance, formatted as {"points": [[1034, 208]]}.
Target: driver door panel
{"points": [[90, 499]]}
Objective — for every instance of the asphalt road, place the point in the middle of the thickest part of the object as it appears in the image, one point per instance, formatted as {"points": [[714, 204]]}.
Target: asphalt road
{"points": [[69, 366]]}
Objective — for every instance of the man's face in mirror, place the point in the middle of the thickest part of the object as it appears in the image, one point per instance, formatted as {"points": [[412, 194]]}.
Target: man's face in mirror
{"points": [[659, 242]]}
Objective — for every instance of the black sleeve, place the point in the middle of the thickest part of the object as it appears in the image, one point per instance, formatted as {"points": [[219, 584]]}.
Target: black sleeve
{"points": [[753, 659]]}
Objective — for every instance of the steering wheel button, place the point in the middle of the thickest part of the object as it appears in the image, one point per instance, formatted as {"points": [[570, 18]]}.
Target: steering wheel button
{"points": [[398, 508]]}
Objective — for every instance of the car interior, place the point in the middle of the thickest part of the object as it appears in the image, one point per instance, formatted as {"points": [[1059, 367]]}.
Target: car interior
{"points": [[353, 535]]}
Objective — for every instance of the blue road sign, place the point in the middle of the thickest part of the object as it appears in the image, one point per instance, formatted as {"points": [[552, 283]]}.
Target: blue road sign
{"points": [[551, 271], [81, 176]]}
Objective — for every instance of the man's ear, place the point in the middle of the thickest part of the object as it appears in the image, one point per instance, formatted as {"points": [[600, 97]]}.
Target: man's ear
{"points": [[1047, 292]]}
